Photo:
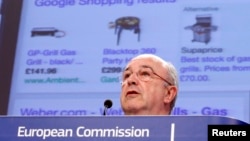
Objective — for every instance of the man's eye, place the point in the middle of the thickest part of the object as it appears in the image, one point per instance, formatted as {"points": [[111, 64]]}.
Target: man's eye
{"points": [[145, 73], [126, 76]]}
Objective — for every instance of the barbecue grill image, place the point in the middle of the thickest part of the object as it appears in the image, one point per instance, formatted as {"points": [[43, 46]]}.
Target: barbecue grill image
{"points": [[127, 23], [202, 29], [46, 31]]}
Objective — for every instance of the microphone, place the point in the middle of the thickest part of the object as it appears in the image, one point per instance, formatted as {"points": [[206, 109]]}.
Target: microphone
{"points": [[107, 104]]}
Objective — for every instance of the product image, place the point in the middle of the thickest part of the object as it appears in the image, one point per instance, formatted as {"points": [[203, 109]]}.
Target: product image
{"points": [[202, 29], [47, 31], [127, 23]]}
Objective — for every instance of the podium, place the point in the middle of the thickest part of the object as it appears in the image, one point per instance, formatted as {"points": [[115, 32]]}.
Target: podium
{"points": [[110, 128]]}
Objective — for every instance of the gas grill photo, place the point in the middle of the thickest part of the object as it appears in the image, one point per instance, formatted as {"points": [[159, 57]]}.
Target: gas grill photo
{"points": [[127, 23], [202, 29], [46, 31]]}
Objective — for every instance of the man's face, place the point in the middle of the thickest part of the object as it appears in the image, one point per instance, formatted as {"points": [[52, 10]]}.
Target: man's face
{"points": [[140, 97]]}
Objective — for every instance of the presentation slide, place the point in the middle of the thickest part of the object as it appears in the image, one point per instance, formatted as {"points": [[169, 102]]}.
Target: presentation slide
{"points": [[70, 54]]}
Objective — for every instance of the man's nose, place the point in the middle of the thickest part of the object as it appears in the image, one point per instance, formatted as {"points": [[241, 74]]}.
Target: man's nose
{"points": [[133, 79]]}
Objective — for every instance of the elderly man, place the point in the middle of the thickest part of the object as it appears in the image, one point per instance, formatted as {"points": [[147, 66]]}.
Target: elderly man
{"points": [[149, 86]]}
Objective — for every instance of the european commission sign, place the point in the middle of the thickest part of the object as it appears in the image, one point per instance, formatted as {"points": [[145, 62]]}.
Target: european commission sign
{"points": [[120, 128]]}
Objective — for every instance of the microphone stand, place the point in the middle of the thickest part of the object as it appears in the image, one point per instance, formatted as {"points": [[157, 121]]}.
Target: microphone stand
{"points": [[105, 111]]}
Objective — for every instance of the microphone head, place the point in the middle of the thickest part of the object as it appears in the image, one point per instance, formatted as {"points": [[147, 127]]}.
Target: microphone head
{"points": [[108, 103]]}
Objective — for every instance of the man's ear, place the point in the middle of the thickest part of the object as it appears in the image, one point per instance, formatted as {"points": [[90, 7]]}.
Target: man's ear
{"points": [[171, 92]]}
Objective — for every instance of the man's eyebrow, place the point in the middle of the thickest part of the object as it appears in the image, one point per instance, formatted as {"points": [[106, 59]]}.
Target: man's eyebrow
{"points": [[142, 66], [146, 66], [126, 69]]}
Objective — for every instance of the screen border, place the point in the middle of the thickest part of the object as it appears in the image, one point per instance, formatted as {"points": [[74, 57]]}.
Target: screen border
{"points": [[10, 18]]}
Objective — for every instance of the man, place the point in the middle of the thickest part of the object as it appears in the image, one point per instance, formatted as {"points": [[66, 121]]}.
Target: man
{"points": [[149, 86]]}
